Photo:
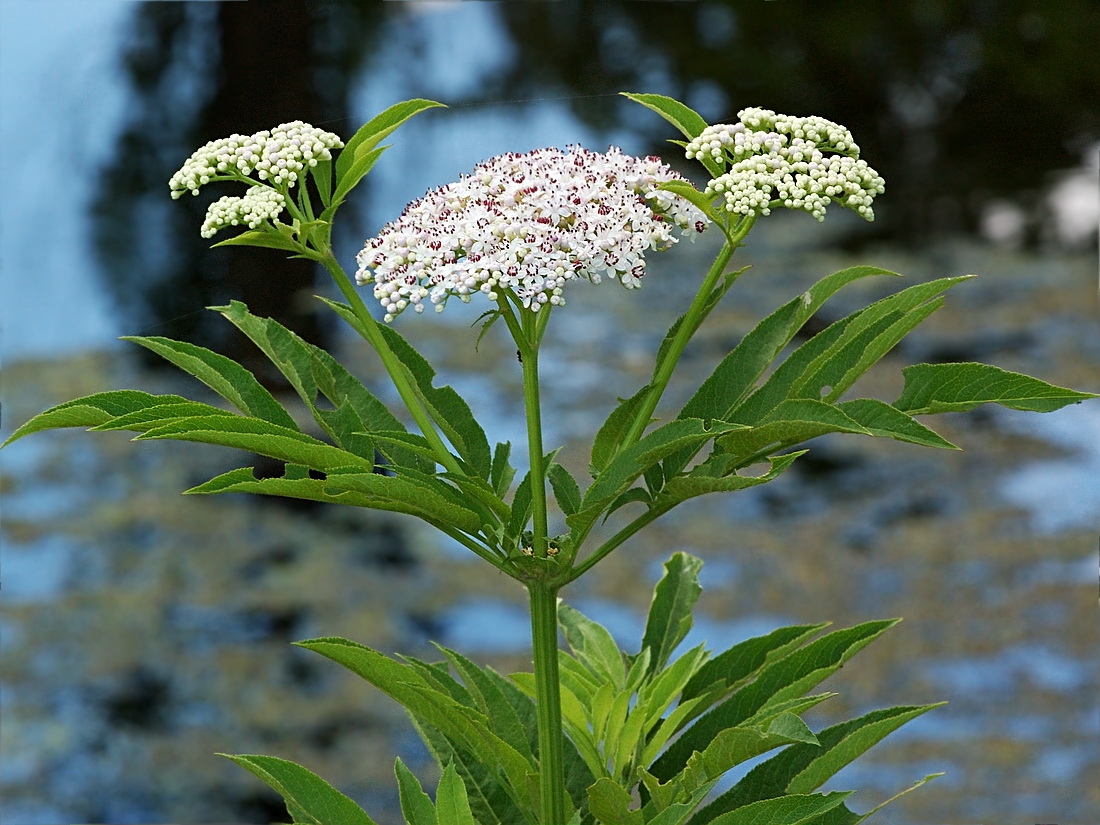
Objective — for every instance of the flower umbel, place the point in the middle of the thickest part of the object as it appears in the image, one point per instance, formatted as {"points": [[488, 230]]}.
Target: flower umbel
{"points": [[527, 223], [777, 160], [280, 156], [259, 203]]}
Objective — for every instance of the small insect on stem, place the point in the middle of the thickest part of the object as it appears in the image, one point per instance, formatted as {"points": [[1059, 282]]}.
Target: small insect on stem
{"points": [[519, 356]]}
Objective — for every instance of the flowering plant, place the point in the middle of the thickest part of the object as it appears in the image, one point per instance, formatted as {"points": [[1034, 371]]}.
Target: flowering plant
{"points": [[597, 734]]}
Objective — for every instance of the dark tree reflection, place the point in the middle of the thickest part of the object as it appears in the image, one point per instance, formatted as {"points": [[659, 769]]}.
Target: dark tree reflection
{"points": [[955, 102], [200, 71]]}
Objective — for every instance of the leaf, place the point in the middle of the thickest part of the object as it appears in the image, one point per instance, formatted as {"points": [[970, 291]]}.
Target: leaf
{"points": [[833, 359], [258, 436], [446, 407], [879, 418], [148, 417], [784, 810], [790, 423], [682, 488], [94, 410], [322, 177], [309, 799], [786, 678], [566, 491], [593, 645], [687, 120], [265, 238], [629, 464], [416, 806], [735, 376], [375, 130], [349, 179], [745, 658], [502, 472], [669, 618], [611, 433], [223, 375], [704, 203], [939, 388], [610, 803], [314, 373], [801, 768], [452, 804], [420, 495], [468, 728]]}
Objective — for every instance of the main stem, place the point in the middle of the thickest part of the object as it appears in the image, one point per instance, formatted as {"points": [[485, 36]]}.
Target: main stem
{"points": [[544, 639]]}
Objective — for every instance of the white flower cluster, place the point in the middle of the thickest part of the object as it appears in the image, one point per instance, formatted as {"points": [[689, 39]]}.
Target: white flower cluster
{"points": [[527, 223], [777, 160], [279, 155], [259, 203]]}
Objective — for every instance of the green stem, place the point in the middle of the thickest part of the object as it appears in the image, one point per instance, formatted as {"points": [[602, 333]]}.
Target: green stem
{"points": [[613, 542], [544, 638], [408, 393], [692, 319]]}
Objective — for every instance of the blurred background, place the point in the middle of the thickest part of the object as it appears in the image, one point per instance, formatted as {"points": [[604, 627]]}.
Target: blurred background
{"points": [[143, 632]]}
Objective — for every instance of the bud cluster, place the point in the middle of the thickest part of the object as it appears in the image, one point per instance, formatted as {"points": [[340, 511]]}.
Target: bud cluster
{"points": [[259, 203], [528, 223], [280, 156], [777, 160]]}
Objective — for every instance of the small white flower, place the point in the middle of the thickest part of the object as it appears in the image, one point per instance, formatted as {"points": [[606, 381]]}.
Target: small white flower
{"points": [[777, 160], [527, 223]]}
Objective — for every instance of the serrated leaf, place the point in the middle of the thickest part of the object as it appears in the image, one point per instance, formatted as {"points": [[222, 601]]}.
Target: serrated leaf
{"points": [[419, 495], [416, 806], [790, 423], [141, 420], [787, 678], [611, 433], [358, 170], [452, 804], [447, 408], [682, 488], [314, 373], [93, 411], [610, 803], [223, 375], [566, 491], [784, 810], [801, 768], [322, 177], [593, 646], [939, 388], [309, 798], [468, 728], [264, 238], [880, 419], [375, 130], [258, 436], [687, 120], [502, 472], [670, 618]]}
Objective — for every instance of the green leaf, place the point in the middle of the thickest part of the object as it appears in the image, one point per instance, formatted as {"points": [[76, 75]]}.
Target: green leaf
{"points": [[265, 238], [939, 388], [223, 375], [452, 804], [745, 658], [314, 373], [144, 419], [566, 491], [258, 436], [593, 645], [374, 131], [610, 803], [801, 768], [416, 806], [309, 799], [790, 423], [687, 120], [322, 177], [786, 678], [682, 488], [467, 727], [611, 433], [94, 410], [669, 618], [430, 499], [785, 810], [832, 360], [735, 376], [446, 407], [356, 172], [704, 203], [879, 418], [502, 472]]}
